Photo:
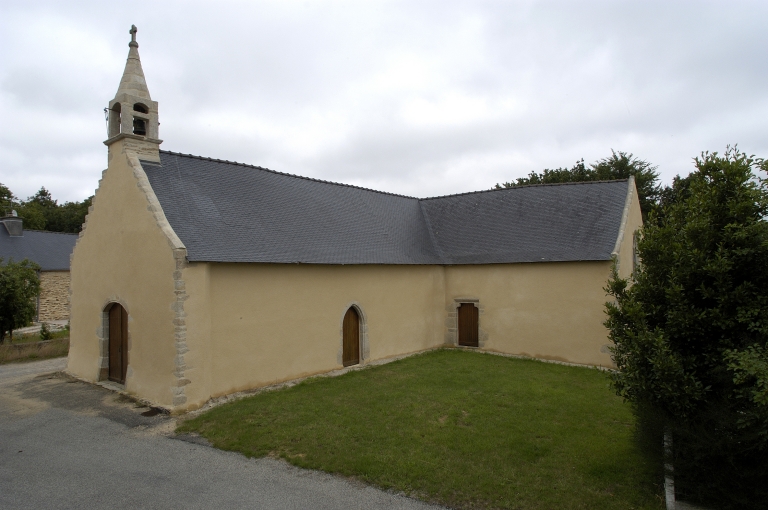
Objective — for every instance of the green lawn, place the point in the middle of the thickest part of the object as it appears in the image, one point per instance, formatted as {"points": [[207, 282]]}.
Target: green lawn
{"points": [[464, 429], [35, 337]]}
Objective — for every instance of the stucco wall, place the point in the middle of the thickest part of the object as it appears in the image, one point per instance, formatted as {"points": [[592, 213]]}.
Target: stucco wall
{"points": [[634, 221], [123, 256], [200, 330], [275, 322], [54, 296], [550, 310]]}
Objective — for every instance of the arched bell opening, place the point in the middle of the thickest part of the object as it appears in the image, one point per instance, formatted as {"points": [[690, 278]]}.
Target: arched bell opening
{"points": [[141, 108], [139, 126], [114, 120]]}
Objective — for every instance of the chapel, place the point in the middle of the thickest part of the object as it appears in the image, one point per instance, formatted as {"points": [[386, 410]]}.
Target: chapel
{"points": [[195, 277]]}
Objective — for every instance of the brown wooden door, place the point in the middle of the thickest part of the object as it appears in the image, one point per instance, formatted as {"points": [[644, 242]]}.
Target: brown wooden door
{"points": [[351, 338], [118, 343], [468, 325]]}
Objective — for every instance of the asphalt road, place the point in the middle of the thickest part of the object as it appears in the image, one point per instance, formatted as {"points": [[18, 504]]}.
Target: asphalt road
{"points": [[68, 444]]}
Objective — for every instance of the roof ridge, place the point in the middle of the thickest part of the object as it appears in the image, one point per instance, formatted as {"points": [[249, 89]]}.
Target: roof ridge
{"points": [[492, 190], [287, 174]]}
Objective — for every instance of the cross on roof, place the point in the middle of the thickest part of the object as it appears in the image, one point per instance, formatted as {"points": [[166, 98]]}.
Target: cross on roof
{"points": [[133, 31]]}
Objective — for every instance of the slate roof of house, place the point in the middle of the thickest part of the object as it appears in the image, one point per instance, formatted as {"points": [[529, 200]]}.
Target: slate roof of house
{"points": [[49, 249], [230, 212]]}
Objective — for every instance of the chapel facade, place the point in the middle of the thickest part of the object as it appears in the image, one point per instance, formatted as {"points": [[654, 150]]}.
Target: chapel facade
{"points": [[195, 277]]}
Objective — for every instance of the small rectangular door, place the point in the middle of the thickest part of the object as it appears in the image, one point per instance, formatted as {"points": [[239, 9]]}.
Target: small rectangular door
{"points": [[118, 343], [468, 325]]}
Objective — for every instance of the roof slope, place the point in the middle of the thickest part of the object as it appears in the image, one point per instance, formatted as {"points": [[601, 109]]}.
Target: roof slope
{"points": [[575, 221], [229, 212], [49, 249], [225, 212]]}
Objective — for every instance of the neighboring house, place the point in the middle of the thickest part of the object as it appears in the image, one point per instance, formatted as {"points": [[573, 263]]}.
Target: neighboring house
{"points": [[195, 277], [51, 251]]}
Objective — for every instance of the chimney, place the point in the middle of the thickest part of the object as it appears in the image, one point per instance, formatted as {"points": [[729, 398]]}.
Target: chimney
{"points": [[13, 224]]}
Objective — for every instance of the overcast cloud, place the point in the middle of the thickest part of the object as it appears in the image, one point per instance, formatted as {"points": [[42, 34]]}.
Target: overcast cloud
{"points": [[417, 98]]}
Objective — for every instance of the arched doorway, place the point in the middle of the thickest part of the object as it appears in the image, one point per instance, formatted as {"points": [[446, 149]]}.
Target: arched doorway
{"points": [[351, 338], [468, 327], [118, 342]]}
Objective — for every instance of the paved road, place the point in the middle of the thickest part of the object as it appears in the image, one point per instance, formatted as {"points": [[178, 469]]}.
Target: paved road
{"points": [[67, 444]]}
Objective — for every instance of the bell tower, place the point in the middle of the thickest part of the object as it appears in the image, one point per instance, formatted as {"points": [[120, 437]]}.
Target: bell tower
{"points": [[132, 115]]}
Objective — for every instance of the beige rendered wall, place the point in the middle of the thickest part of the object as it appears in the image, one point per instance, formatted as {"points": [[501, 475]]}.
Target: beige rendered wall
{"points": [[633, 221], [550, 310], [124, 256], [54, 296], [276, 322]]}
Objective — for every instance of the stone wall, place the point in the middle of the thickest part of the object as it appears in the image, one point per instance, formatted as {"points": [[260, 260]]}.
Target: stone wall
{"points": [[54, 296]]}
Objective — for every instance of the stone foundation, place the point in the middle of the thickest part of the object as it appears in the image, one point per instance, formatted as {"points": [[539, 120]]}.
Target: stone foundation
{"points": [[54, 296]]}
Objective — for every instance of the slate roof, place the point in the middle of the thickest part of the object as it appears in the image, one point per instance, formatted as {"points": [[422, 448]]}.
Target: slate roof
{"points": [[49, 249], [230, 212]]}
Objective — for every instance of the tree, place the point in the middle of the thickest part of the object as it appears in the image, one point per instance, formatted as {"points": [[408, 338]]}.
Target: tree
{"points": [[7, 200], [69, 217], [690, 331], [19, 286], [42, 212], [619, 165]]}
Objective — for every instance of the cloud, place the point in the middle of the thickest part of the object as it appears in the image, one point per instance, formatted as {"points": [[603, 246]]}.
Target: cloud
{"points": [[421, 98]]}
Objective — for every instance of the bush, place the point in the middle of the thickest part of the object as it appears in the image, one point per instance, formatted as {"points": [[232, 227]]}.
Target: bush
{"points": [[19, 286], [45, 332], [690, 331]]}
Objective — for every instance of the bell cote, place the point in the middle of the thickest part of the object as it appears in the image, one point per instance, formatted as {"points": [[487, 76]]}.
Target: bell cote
{"points": [[132, 115]]}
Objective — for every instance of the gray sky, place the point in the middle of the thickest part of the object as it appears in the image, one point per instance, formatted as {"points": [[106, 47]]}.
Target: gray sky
{"points": [[419, 98]]}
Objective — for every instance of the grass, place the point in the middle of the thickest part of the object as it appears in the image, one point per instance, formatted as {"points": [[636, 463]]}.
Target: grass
{"points": [[463, 429], [35, 337], [33, 350]]}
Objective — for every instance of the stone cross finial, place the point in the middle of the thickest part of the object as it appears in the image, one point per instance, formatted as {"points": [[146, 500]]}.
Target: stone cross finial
{"points": [[133, 31]]}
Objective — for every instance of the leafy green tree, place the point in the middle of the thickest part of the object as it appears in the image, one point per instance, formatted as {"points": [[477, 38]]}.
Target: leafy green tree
{"points": [[619, 165], [668, 195], [19, 286], [69, 217], [7, 200], [42, 212], [690, 331], [32, 214]]}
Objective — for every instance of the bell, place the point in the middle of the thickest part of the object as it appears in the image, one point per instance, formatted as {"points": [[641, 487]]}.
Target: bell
{"points": [[139, 127]]}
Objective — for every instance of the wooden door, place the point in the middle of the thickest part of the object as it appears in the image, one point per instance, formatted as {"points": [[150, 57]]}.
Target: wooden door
{"points": [[351, 338], [118, 343], [468, 325]]}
